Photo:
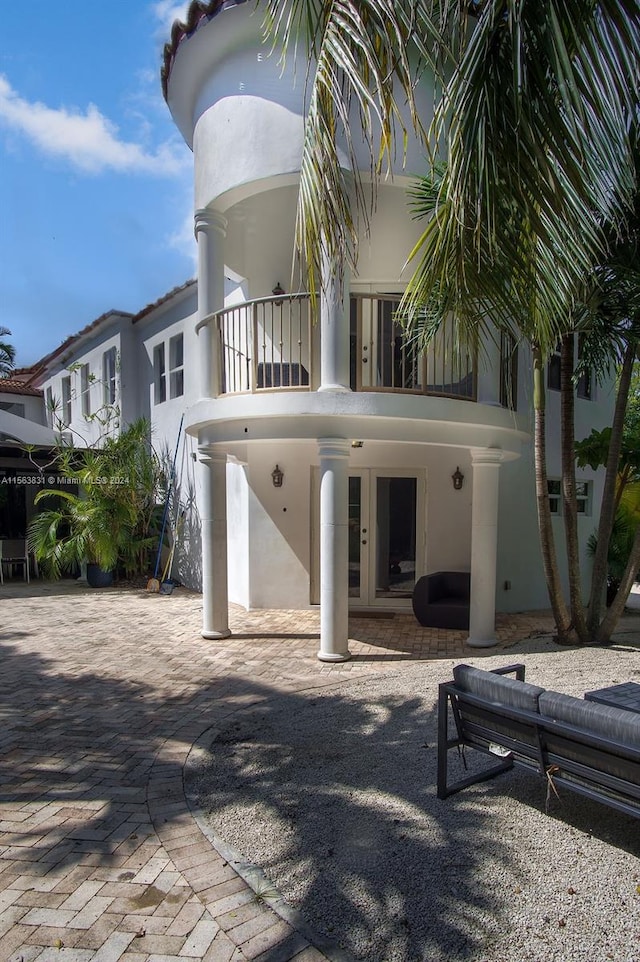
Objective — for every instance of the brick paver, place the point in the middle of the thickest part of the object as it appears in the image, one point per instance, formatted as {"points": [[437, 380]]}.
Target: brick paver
{"points": [[103, 694]]}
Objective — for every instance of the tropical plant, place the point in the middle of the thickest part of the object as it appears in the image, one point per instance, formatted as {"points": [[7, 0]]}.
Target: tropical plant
{"points": [[537, 101], [7, 354], [112, 517], [505, 227]]}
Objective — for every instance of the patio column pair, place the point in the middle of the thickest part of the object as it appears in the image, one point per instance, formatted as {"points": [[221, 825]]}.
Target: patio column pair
{"points": [[484, 546], [334, 471], [210, 230]]}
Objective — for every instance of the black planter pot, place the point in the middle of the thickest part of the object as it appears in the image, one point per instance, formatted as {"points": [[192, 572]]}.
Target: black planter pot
{"points": [[97, 577]]}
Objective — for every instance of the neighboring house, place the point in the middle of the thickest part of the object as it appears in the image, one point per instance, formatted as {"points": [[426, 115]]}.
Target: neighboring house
{"points": [[25, 446], [320, 461]]}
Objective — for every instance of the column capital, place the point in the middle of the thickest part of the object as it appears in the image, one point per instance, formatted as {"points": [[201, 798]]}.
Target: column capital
{"points": [[334, 447], [208, 220], [210, 455], [492, 456]]}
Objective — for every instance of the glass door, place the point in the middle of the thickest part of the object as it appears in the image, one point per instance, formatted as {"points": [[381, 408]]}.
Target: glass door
{"points": [[395, 538], [386, 537], [385, 521], [359, 537]]}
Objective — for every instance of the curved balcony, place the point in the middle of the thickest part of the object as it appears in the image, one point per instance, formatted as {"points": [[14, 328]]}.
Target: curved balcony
{"points": [[272, 344]]}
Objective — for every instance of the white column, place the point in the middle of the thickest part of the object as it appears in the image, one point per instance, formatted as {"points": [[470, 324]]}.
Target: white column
{"points": [[210, 231], [334, 328], [484, 546], [213, 515], [334, 549]]}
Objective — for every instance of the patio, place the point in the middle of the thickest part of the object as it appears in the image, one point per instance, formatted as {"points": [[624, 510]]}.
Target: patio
{"points": [[104, 695]]}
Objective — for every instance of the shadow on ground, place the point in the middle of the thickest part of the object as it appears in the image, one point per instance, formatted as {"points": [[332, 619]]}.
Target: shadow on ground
{"points": [[333, 796], [377, 863]]}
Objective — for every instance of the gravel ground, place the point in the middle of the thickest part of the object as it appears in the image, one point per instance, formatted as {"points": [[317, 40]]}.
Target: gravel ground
{"points": [[332, 793]]}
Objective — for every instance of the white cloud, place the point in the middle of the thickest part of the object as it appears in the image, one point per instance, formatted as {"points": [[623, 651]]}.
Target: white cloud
{"points": [[89, 140], [182, 238], [167, 11]]}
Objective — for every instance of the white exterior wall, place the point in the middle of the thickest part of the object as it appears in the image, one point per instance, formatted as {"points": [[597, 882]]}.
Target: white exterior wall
{"points": [[33, 406], [91, 350]]}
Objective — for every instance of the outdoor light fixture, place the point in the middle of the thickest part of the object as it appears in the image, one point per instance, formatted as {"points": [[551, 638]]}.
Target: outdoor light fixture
{"points": [[277, 476], [277, 290], [357, 444], [457, 477]]}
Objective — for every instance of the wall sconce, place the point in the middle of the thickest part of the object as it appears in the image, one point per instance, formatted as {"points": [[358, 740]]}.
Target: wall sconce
{"points": [[457, 477], [357, 444], [277, 476], [277, 290]]}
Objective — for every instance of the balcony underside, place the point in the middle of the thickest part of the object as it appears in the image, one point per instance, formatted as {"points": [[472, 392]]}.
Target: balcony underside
{"points": [[357, 416]]}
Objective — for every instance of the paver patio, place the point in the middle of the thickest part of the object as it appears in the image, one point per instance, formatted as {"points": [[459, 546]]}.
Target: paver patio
{"points": [[103, 695]]}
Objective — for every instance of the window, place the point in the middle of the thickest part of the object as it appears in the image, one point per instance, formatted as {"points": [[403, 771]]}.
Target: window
{"points": [[176, 366], [50, 406], [109, 375], [553, 373], [508, 371], [66, 401], [554, 487], [583, 497], [159, 377], [12, 408], [85, 389]]}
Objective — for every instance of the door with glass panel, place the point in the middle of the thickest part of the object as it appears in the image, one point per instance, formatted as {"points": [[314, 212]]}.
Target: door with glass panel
{"points": [[385, 526]]}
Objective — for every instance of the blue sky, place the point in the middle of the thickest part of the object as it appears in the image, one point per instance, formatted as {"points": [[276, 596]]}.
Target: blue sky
{"points": [[95, 180]]}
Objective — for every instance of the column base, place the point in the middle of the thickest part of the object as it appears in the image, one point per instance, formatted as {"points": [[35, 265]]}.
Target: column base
{"points": [[481, 642], [213, 635], [333, 656]]}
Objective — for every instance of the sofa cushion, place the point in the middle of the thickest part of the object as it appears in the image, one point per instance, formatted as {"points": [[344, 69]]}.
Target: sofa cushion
{"points": [[615, 723], [498, 689]]}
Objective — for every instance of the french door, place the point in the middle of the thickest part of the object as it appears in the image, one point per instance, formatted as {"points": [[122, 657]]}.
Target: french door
{"points": [[386, 525]]}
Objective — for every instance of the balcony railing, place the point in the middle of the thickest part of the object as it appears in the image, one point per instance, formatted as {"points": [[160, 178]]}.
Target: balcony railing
{"points": [[268, 344], [382, 359]]}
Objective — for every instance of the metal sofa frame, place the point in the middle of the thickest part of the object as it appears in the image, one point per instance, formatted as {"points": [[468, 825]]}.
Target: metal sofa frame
{"points": [[563, 755]]}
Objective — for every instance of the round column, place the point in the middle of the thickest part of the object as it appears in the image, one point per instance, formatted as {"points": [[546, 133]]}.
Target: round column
{"points": [[334, 328], [213, 516], [484, 546], [334, 549], [210, 231]]}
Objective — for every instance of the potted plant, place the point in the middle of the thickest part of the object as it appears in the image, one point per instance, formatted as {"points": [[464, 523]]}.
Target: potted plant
{"points": [[105, 511]]}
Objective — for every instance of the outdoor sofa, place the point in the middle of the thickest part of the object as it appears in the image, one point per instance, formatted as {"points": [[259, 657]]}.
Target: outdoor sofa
{"points": [[570, 743], [441, 600]]}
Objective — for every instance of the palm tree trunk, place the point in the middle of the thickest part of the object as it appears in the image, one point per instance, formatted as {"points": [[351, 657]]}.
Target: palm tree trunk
{"points": [[607, 627], [545, 528], [608, 505], [569, 505]]}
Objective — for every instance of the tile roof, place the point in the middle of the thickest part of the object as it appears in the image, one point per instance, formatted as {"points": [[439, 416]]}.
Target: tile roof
{"points": [[15, 385], [27, 376], [66, 344], [199, 12], [165, 297]]}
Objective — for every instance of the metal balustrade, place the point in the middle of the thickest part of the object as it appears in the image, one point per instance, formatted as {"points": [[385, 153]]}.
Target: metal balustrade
{"points": [[268, 344], [265, 344]]}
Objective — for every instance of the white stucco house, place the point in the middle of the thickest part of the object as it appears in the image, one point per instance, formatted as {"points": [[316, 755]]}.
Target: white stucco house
{"points": [[322, 461]]}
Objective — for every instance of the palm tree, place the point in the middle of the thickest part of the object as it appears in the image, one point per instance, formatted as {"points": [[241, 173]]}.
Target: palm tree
{"points": [[520, 215], [7, 354], [535, 113]]}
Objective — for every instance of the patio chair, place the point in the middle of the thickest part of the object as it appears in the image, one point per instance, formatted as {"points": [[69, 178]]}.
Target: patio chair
{"points": [[13, 553]]}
